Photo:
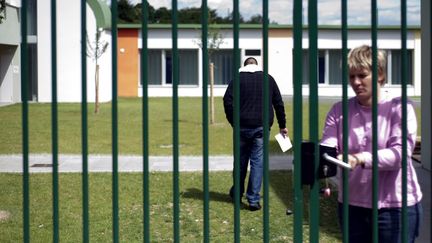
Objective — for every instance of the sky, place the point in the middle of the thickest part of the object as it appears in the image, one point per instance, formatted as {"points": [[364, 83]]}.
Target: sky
{"points": [[280, 11]]}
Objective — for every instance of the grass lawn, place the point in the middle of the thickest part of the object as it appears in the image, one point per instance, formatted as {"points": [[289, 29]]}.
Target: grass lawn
{"points": [[129, 125], [161, 219], [130, 184]]}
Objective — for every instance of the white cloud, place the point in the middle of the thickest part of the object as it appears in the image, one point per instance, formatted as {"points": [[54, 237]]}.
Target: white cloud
{"points": [[160, 3], [280, 11]]}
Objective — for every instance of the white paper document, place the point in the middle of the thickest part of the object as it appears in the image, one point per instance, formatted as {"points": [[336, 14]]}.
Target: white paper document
{"points": [[284, 142]]}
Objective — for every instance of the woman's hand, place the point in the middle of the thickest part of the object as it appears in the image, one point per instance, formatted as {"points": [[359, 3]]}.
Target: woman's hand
{"points": [[354, 160]]}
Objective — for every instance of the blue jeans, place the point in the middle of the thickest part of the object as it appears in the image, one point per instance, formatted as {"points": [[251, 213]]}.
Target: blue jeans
{"points": [[389, 223], [251, 149]]}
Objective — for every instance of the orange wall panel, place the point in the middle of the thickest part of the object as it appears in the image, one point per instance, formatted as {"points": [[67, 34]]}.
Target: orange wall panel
{"points": [[280, 33], [128, 65]]}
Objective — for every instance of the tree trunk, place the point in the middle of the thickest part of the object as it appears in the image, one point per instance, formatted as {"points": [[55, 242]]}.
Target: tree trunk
{"points": [[212, 106], [97, 89]]}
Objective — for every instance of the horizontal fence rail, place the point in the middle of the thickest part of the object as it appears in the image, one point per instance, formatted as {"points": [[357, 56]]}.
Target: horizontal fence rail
{"points": [[299, 190]]}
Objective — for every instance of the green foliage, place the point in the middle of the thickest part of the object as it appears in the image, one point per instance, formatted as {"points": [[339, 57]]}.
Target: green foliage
{"points": [[128, 13], [2, 10], [162, 16], [255, 19]]}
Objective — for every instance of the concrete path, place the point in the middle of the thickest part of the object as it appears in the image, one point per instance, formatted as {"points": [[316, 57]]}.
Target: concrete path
{"points": [[129, 163]]}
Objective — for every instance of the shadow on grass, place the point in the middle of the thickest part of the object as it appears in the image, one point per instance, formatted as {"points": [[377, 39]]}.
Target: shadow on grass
{"points": [[198, 194], [281, 184]]}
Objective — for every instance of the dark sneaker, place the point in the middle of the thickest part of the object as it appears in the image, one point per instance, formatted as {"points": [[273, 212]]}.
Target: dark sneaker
{"points": [[254, 207]]}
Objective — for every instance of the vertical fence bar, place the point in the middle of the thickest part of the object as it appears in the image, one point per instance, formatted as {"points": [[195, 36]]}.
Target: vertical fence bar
{"points": [[374, 120], [84, 135], [404, 75], [175, 82], [297, 82], [345, 172], [429, 93], [236, 134], [54, 125], [266, 128], [145, 120], [25, 133], [205, 122], [313, 117], [114, 115], [430, 102]]}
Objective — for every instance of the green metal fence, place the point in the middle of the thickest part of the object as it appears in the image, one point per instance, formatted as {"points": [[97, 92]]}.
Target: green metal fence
{"points": [[298, 27]]}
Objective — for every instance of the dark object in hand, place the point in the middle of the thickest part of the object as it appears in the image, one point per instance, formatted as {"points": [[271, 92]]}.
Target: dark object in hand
{"points": [[325, 168]]}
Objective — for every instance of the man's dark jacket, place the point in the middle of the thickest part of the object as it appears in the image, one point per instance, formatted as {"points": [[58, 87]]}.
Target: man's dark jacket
{"points": [[251, 103]]}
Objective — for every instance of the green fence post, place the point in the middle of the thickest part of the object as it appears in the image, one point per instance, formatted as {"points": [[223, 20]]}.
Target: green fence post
{"points": [[404, 74], [313, 117], [345, 172], [374, 120], [84, 135], [145, 120], [266, 128], [297, 81], [175, 82], [25, 122], [205, 126], [54, 125], [236, 134], [114, 115]]}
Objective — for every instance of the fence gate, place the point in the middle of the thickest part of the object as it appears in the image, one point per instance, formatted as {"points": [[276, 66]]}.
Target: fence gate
{"points": [[298, 28]]}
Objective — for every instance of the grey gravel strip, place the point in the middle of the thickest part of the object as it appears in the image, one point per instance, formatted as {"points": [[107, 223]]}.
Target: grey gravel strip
{"points": [[42, 163]]}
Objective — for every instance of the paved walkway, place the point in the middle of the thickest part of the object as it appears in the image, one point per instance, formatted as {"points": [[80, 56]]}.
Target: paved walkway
{"points": [[128, 163], [42, 163]]}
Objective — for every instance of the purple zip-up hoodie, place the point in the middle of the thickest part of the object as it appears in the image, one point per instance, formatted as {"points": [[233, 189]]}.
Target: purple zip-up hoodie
{"points": [[389, 151]]}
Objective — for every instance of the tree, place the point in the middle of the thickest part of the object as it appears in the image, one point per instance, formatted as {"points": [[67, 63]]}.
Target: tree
{"points": [[214, 40], [151, 12], [95, 50], [189, 15], [162, 15], [2, 10], [127, 13], [255, 19]]}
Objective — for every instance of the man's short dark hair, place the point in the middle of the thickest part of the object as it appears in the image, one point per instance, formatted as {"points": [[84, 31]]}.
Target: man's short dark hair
{"points": [[250, 60]]}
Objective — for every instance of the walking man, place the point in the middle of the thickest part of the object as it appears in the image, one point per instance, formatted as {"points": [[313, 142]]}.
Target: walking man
{"points": [[251, 125]]}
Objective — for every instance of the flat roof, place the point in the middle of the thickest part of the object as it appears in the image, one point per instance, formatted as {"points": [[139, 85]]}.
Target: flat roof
{"points": [[259, 26]]}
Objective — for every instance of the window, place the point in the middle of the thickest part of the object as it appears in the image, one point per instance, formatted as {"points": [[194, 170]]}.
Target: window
{"points": [[394, 75], [335, 66], [253, 52], [160, 67], [321, 67], [154, 68], [223, 63], [330, 67], [188, 64]]}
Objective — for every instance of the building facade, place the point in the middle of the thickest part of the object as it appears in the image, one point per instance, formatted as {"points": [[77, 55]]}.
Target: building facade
{"points": [[250, 44], [40, 46], [10, 77], [160, 55]]}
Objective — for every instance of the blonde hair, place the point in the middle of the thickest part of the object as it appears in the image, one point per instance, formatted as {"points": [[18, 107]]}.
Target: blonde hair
{"points": [[361, 58]]}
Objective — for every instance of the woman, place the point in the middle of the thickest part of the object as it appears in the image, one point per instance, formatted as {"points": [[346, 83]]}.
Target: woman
{"points": [[389, 154]]}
